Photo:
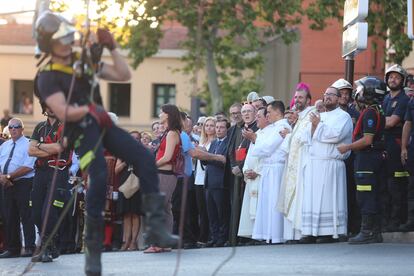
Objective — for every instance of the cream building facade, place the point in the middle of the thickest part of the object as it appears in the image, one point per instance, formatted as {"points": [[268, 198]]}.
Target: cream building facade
{"points": [[152, 84]]}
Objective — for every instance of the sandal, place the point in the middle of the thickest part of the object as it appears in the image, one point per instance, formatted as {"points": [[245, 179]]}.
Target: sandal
{"points": [[153, 249], [124, 246], [133, 247]]}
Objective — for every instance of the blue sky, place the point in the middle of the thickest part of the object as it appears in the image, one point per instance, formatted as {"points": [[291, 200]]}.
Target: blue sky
{"points": [[16, 5]]}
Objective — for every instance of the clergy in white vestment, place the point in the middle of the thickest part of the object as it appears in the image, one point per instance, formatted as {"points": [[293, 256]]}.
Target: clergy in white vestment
{"points": [[297, 148], [268, 225], [324, 212], [251, 191]]}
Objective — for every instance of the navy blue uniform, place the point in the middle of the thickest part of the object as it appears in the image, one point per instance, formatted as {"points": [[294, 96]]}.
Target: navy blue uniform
{"points": [[409, 116], [395, 106], [89, 140], [46, 133], [394, 193], [354, 219], [353, 112], [369, 161]]}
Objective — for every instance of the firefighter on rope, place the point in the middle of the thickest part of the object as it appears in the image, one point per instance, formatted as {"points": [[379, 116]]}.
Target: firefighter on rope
{"points": [[89, 129], [44, 145], [368, 145]]}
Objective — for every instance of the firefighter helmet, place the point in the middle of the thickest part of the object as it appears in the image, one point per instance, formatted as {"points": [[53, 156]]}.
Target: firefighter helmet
{"points": [[342, 84], [370, 90], [396, 68], [53, 27]]}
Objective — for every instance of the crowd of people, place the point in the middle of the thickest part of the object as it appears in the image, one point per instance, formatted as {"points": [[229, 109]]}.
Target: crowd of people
{"points": [[268, 174]]}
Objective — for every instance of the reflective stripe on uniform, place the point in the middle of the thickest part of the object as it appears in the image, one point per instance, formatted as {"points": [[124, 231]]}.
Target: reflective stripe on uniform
{"points": [[86, 159], [58, 203], [364, 172], [30, 203], [401, 174], [58, 67], [364, 188]]}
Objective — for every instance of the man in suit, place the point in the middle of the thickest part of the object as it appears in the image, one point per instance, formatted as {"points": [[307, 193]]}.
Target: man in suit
{"points": [[217, 192]]}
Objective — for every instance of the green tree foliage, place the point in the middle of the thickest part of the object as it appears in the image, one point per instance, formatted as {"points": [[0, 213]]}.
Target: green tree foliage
{"points": [[224, 37], [386, 20], [222, 40]]}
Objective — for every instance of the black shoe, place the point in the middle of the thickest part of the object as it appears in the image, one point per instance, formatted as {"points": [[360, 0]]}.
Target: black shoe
{"points": [[292, 242], [27, 253], [156, 232], [9, 254], [407, 227], [307, 240], [250, 243], [44, 257], [201, 244], [210, 244], [392, 228], [219, 244], [342, 238], [366, 237], [190, 245], [325, 239]]}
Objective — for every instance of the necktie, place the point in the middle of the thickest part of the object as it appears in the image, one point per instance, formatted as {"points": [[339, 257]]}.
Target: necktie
{"points": [[6, 165], [218, 146]]}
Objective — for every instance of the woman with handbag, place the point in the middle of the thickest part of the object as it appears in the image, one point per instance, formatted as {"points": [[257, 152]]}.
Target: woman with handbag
{"points": [[208, 134], [167, 154], [129, 202]]}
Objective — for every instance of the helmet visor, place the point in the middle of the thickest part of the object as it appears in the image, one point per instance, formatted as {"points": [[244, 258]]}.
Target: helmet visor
{"points": [[359, 92], [65, 34]]}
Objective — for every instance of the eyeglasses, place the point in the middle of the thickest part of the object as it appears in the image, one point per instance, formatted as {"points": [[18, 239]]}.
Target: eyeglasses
{"points": [[331, 94], [15, 126], [199, 124]]}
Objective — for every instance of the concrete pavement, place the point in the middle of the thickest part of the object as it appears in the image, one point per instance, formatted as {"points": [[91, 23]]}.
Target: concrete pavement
{"points": [[328, 259]]}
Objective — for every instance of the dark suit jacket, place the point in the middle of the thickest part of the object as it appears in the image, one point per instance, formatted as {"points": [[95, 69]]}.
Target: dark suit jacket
{"points": [[236, 139], [216, 171]]}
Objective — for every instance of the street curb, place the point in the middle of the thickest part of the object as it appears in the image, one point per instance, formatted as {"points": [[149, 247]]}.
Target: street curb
{"points": [[398, 237]]}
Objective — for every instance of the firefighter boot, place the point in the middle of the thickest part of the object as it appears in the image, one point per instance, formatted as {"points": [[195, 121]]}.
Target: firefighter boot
{"points": [[366, 234], [377, 228], [93, 245], [156, 232], [409, 225], [44, 254], [54, 251]]}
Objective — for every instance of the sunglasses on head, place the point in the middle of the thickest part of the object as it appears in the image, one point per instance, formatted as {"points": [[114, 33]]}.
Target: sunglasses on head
{"points": [[15, 126], [243, 103]]}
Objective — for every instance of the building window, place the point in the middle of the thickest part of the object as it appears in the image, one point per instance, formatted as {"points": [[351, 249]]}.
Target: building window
{"points": [[163, 94], [23, 97], [120, 99]]}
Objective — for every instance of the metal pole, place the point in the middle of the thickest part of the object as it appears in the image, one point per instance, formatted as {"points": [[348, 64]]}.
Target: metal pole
{"points": [[349, 68]]}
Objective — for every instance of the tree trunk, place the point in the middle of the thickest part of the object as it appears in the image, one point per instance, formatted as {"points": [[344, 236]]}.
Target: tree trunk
{"points": [[213, 85]]}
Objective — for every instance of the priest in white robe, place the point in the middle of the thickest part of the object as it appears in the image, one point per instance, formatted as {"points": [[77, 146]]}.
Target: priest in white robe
{"points": [[268, 225], [324, 213], [297, 148]]}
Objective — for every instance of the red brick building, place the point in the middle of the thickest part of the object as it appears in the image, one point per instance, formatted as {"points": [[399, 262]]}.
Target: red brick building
{"points": [[321, 60]]}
